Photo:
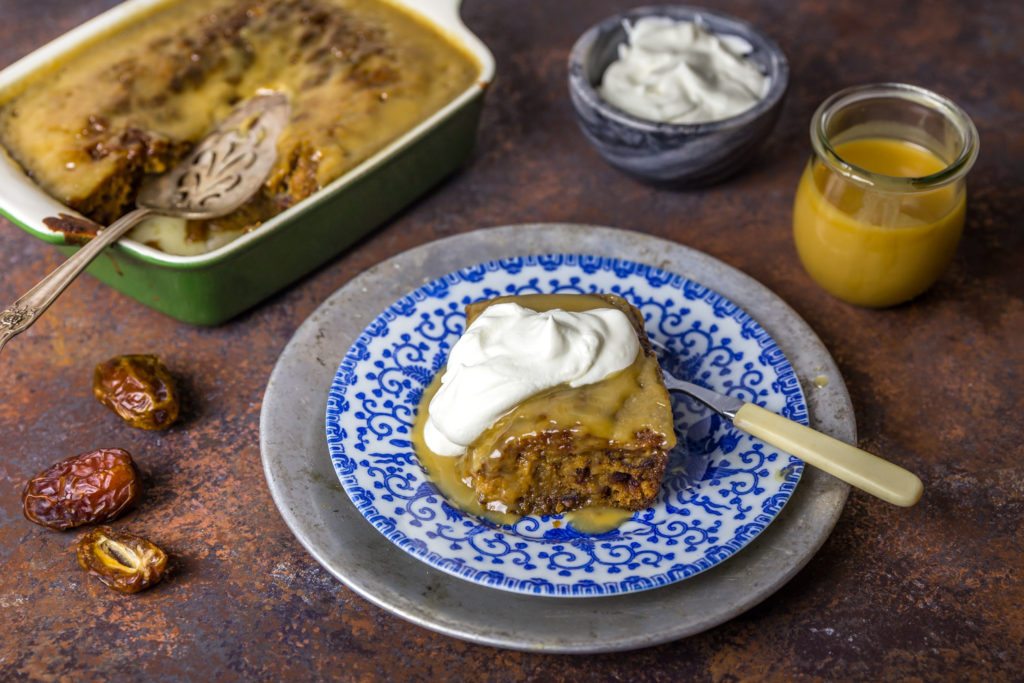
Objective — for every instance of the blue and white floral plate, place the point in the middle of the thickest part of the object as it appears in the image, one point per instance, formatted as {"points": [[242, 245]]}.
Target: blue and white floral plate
{"points": [[722, 488]]}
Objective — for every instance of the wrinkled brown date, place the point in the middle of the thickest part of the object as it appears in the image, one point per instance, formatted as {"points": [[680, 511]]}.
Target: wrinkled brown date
{"points": [[92, 487], [125, 562], [139, 389]]}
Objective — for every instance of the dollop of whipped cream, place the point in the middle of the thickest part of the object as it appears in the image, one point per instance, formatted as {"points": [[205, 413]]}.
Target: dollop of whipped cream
{"points": [[678, 72], [511, 353]]}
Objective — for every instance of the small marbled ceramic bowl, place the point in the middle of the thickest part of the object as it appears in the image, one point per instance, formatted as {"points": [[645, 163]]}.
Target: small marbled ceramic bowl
{"points": [[679, 155]]}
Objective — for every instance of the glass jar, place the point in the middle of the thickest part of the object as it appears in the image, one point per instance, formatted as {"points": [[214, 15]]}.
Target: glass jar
{"points": [[880, 207]]}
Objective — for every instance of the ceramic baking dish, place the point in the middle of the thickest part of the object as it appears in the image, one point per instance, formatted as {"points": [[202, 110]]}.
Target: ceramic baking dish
{"points": [[209, 288]]}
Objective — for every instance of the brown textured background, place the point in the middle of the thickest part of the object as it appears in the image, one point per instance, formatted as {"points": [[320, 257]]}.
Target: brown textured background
{"points": [[934, 592]]}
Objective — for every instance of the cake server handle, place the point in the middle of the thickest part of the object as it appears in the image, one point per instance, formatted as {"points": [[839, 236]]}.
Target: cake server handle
{"points": [[20, 315], [856, 467], [866, 471]]}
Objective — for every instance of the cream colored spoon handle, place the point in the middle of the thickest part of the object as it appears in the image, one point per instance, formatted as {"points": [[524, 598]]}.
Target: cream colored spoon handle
{"points": [[858, 468]]}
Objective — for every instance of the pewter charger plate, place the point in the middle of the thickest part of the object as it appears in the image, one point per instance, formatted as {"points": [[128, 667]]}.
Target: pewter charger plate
{"points": [[301, 477]]}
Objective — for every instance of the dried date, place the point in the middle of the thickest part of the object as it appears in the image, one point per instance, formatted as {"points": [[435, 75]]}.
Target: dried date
{"points": [[139, 389], [125, 562], [91, 487]]}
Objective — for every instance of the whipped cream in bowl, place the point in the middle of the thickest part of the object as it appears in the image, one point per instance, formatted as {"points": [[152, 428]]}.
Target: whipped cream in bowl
{"points": [[680, 72], [675, 95], [511, 353]]}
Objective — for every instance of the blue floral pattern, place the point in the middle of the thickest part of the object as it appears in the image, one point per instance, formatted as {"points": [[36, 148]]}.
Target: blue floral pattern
{"points": [[722, 488]]}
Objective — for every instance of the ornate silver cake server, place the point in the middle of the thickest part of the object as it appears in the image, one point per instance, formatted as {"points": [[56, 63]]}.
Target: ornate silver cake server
{"points": [[224, 170]]}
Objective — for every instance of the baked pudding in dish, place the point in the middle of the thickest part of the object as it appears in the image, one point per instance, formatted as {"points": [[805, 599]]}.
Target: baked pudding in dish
{"points": [[549, 403], [358, 75]]}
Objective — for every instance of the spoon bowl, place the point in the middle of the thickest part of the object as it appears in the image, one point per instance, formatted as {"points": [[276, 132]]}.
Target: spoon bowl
{"points": [[226, 168]]}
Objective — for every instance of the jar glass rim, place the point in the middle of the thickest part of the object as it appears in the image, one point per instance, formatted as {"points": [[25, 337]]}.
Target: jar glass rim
{"points": [[952, 172]]}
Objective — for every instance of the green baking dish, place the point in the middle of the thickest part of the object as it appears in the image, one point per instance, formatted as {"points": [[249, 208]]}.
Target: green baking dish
{"points": [[208, 289]]}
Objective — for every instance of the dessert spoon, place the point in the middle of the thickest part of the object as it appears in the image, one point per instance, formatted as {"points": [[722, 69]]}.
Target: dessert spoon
{"points": [[866, 471], [224, 170]]}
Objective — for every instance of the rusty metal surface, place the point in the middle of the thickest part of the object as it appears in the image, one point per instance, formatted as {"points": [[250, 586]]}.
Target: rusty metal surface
{"points": [[932, 592]]}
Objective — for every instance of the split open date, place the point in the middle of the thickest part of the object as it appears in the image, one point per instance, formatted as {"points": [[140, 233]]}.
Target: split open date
{"points": [[125, 562]]}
